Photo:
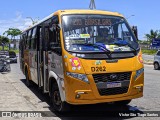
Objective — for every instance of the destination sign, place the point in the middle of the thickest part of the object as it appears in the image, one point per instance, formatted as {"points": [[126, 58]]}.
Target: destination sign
{"points": [[91, 22]]}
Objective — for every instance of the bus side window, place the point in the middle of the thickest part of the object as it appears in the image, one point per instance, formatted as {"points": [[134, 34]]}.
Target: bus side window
{"points": [[34, 39], [54, 32], [29, 40], [20, 43], [38, 45], [46, 30], [46, 34], [24, 39]]}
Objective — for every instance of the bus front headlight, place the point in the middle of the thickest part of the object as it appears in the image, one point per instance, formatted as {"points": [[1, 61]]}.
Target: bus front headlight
{"points": [[82, 77], [139, 72]]}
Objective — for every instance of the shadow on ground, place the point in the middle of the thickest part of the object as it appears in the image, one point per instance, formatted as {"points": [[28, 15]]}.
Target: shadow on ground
{"points": [[101, 111]]}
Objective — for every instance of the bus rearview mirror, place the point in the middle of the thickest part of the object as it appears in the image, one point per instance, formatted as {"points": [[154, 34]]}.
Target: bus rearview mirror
{"points": [[55, 27], [135, 31]]}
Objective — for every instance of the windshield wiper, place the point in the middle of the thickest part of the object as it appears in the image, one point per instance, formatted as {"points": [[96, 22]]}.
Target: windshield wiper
{"points": [[100, 46], [108, 52]]}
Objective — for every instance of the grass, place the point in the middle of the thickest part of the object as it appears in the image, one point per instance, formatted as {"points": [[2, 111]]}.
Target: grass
{"points": [[149, 52], [6, 48]]}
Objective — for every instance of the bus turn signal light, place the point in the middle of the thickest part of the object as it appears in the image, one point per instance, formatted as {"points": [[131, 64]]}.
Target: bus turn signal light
{"points": [[140, 59]]}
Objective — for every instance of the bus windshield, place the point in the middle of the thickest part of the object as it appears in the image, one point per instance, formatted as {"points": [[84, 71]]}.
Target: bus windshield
{"points": [[97, 33]]}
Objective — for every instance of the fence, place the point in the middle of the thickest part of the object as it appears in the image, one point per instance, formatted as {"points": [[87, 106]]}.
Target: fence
{"points": [[148, 47]]}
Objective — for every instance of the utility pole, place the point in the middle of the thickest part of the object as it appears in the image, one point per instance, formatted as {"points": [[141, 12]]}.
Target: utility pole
{"points": [[130, 16], [33, 21], [92, 5]]}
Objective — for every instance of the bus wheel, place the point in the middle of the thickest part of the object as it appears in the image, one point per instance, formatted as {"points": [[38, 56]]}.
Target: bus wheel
{"points": [[27, 82], [57, 103], [124, 102], [156, 66]]}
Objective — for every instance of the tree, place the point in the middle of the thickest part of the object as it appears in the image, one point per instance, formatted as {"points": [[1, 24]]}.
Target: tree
{"points": [[4, 41], [152, 35], [13, 32]]}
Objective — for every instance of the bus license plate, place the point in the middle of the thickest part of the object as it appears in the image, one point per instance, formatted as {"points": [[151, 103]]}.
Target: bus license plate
{"points": [[113, 85]]}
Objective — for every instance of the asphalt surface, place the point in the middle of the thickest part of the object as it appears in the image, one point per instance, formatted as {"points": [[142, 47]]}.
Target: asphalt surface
{"points": [[15, 96]]}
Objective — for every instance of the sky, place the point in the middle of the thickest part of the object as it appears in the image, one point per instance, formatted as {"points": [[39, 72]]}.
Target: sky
{"points": [[142, 13]]}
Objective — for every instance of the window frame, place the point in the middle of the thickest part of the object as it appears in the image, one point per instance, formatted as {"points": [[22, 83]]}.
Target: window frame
{"points": [[127, 25]]}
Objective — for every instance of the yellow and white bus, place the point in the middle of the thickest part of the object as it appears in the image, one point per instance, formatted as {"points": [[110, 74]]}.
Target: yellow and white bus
{"points": [[83, 57]]}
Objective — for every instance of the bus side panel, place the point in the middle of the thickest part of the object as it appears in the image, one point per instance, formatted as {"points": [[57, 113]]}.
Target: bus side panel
{"points": [[26, 63], [33, 65], [21, 57]]}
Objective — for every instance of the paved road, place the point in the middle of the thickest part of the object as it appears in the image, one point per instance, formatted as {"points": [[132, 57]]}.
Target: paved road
{"points": [[15, 96]]}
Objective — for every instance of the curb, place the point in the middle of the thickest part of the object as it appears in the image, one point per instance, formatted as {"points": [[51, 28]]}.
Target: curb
{"points": [[148, 62]]}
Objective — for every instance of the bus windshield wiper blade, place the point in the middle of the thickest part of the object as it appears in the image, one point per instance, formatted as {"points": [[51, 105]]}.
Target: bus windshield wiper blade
{"points": [[100, 46], [104, 49]]}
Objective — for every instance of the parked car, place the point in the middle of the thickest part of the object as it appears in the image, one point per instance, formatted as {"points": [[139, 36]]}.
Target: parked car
{"points": [[4, 61], [157, 60], [13, 57]]}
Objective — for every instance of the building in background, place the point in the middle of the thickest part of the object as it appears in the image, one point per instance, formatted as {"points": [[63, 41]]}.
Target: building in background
{"points": [[14, 44]]}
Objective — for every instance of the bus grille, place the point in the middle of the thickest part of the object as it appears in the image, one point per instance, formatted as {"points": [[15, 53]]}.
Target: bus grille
{"points": [[113, 91], [106, 77], [102, 79]]}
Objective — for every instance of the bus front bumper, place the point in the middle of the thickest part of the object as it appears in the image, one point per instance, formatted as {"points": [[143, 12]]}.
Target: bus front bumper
{"points": [[85, 99], [79, 92]]}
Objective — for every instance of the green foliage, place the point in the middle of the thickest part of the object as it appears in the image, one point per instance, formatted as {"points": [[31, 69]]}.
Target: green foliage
{"points": [[16, 51], [7, 49], [149, 52], [4, 40], [13, 32], [152, 35]]}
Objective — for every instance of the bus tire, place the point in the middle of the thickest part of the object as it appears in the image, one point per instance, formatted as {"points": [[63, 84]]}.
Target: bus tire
{"points": [[57, 103], [27, 81], [123, 102], [156, 66]]}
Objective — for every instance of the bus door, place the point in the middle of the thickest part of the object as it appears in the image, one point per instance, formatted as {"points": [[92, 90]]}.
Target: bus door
{"points": [[45, 72], [39, 56], [43, 57]]}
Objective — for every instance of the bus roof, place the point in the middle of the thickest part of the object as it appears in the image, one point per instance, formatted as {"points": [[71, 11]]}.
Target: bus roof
{"points": [[77, 11]]}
